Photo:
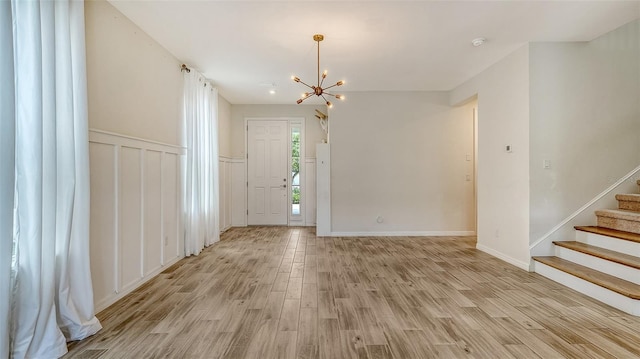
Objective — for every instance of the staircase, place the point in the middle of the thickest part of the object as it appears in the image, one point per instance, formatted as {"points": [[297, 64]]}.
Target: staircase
{"points": [[604, 261]]}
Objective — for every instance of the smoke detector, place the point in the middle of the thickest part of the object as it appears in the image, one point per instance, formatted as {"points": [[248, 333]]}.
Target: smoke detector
{"points": [[478, 41]]}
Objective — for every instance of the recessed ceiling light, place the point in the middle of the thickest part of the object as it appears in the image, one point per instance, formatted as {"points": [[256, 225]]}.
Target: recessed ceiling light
{"points": [[272, 91], [267, 84], [478, 41]]}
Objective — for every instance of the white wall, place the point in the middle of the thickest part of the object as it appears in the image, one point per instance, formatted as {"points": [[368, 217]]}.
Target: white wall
{"points": [[503, 178], [224, 127], [401, 156], [135, 88], [585, 119], [134, 84]]}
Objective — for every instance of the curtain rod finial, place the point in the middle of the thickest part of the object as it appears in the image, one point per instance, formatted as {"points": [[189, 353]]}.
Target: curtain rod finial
{"points": [[184, 67]]}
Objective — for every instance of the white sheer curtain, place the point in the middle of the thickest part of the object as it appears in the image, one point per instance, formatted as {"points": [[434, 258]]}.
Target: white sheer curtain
{"points": [[7, 165], [44, 188], [201, 222]]}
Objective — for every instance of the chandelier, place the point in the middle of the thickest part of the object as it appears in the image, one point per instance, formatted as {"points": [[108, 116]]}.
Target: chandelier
{"points": [[318, 90]]}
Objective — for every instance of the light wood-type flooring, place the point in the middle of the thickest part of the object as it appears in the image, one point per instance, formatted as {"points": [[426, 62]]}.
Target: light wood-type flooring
{"points": [[280, 292]]}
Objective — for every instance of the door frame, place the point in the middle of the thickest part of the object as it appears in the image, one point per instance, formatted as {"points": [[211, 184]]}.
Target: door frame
{"points": [[291, 219]]}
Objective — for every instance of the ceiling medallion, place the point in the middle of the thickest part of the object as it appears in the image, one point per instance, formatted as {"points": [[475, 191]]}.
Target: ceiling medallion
{"points": [[318, 90]]}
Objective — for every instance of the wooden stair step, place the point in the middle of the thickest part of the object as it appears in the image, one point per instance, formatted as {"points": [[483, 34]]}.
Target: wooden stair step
{"points": [[607, 254], [627, 236], [629, 201], [620, 286]]}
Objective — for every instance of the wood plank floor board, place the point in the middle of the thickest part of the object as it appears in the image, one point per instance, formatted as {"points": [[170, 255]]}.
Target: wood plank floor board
{"points": [[283, 292], [591, 351], [527, 337], [357, 295], [420, 342], [522, 351], [615, 343], [285, 346], [289, 316], [264, 339], [371, 330], [294, 288], [399, 343], [309, 295], [308, 327], [379, 352], [329, 338], [352, 344]]}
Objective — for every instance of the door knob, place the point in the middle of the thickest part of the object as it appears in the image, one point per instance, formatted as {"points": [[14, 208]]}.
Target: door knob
{"points": [[284, 186]]}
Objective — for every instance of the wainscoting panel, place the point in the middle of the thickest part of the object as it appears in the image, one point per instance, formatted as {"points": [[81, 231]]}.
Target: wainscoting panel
{"points": [[135, 212], [225, 193], [310, 191], [227, 196], [222, 169], [171, 205], [130, 212], [153, 242], [103, 220], [238, 193]]}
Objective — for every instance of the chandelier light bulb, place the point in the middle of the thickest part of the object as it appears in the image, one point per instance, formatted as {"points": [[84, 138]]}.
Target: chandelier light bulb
{"points": [[329, 104]]}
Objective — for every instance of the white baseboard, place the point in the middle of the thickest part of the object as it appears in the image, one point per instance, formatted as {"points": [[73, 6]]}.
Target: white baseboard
{"points": [[518, 263], [405, 234], [106, 302]]}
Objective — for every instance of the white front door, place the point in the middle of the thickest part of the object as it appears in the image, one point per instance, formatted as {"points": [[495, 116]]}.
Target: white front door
{"points": [[267, 169]]}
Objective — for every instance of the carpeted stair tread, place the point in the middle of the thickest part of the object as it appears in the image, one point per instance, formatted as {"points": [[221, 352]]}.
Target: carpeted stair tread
{"points": [[630, 202], [619, 219], [612, 283], [607, 254], [633, 197], [619, 214], [628, 236]]}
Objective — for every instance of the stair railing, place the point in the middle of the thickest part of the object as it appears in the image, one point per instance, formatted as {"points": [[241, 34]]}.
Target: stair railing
{"points": [[543, 246]]}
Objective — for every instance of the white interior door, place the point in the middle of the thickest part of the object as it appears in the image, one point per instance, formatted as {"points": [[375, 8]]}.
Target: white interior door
{"points": [[267, 193]]}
